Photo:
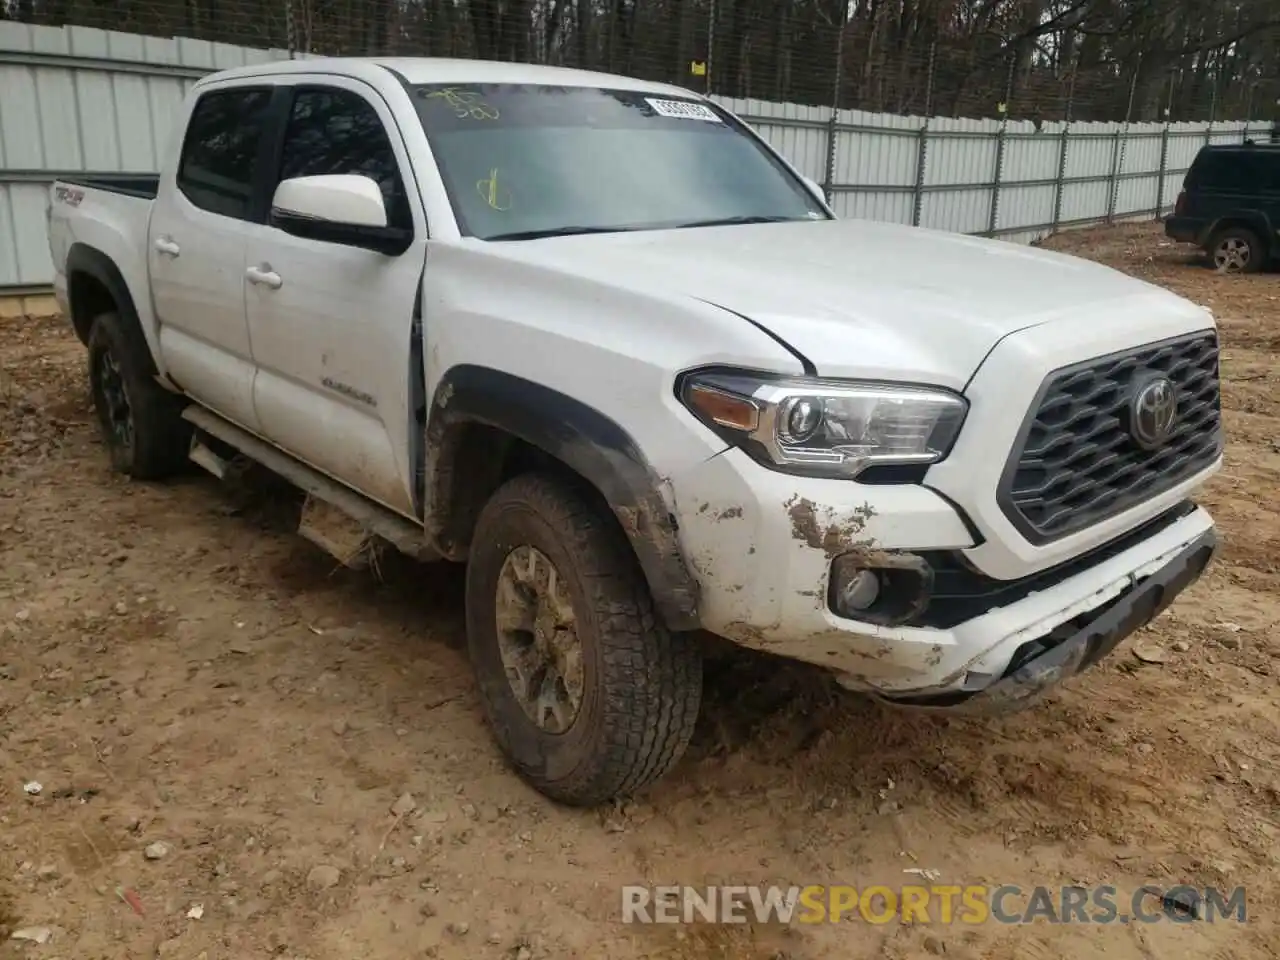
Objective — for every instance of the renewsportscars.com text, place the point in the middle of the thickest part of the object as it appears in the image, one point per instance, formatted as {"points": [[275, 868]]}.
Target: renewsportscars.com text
{"points": [[970, 904]]}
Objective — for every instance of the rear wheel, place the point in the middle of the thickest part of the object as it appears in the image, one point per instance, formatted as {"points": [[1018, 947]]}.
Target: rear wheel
{"points": [[588, 695], [141, 422], [1236, 250]]}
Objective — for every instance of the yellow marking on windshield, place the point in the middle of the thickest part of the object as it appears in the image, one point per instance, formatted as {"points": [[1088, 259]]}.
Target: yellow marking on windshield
{"points": [[492, 192], [466, 103]]}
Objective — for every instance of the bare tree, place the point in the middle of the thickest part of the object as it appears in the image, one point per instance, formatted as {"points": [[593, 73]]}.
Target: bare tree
{"points": [[1195, 58]]}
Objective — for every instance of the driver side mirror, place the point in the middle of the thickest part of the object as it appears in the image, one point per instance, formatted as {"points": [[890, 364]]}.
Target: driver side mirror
{"points": [[342, 208]]}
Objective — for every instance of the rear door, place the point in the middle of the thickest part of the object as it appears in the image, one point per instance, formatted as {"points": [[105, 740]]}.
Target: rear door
{"points": [[203, 214], [331, 331]]}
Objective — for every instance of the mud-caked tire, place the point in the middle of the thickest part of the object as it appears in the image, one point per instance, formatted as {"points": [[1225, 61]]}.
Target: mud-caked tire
{"points": [[550, 574], [141, 422]]}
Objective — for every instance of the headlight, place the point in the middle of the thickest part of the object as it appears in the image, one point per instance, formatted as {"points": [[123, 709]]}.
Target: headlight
{"points": [[827, 428]]}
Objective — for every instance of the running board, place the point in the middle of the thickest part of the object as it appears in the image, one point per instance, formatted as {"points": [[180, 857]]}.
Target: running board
{"points": [[201, 454], [373, 519]]}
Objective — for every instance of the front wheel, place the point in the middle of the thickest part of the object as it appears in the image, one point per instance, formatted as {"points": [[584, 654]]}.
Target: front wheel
{"points": [[589, 696]]}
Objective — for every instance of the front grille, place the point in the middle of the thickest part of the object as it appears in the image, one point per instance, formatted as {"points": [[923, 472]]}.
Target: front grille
{"points": [[1076, 461]]}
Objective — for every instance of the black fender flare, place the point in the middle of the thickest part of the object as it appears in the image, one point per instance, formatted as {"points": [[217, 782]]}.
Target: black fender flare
{"points": [[84, 259], [586, 441], [1254, 219]]}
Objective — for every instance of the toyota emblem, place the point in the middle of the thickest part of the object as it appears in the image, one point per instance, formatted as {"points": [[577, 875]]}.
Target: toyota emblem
{"points": [[1153, 412]]}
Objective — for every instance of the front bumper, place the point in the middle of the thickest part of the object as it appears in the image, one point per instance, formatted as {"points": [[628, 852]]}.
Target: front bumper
{"points": [[1081, 643], [761, 545]]}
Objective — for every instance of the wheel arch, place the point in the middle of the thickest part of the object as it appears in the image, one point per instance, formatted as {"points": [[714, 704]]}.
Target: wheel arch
{"points": [[1254, 220], [484, 425], [95, 286]]}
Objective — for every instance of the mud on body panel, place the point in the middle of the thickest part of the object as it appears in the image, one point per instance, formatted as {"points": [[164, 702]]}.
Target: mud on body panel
{"points": [[762, 545], [506, 411]]}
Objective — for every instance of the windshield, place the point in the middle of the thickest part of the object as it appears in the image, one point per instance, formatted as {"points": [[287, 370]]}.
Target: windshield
{"points": [[524, 161]]}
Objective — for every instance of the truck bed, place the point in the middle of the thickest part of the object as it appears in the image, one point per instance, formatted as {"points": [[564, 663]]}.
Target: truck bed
{"points": [[144, 185], [108, 216]]}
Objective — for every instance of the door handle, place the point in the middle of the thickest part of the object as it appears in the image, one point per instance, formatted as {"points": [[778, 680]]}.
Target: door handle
{"points": [[167, 247], [264, 276]]}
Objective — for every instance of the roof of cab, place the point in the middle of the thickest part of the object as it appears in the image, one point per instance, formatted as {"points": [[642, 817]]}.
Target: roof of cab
{"points": [[442, 70]]}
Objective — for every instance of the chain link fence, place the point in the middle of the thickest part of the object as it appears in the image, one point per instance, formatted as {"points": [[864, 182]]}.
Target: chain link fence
{"points": [[1012, 128], [1038, 60]]}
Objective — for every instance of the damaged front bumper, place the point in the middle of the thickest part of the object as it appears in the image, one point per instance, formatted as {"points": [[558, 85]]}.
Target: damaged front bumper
{"points": [[765, 550], [1080, 643]]}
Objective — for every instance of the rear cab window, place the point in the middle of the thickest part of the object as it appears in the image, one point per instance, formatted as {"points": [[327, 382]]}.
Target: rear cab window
{"points": [[220, 149]]}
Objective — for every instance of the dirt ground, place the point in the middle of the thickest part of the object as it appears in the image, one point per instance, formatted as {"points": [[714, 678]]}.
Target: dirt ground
{"points": [[214, 712]]}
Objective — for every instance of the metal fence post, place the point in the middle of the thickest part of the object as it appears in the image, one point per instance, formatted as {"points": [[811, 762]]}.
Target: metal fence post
{"points": [[828, 179], [291, 32], [711, 44], [1164, 165], [1061, 181], [833, 125], [1060, 184], [1164, 150], [1112, 182], [1213, 109], [922, 144], [1002, 138], [922, 157], [1118, 151]]}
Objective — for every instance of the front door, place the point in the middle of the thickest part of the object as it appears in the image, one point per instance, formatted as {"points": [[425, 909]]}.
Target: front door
{"points": [[196, 247], [330, 323]]}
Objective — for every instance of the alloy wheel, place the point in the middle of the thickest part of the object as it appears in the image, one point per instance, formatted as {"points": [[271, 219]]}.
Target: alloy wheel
{"points": [[538, 640]]}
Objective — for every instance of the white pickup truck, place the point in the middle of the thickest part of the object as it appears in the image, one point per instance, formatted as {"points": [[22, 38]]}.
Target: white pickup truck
{"points": [[598, 340]]}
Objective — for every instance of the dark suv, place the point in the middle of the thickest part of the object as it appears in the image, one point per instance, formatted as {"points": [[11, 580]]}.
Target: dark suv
{"points": [[1230, 206]]}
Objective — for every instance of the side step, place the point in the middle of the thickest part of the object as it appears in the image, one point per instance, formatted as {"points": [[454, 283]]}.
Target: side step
{"points": [[337, 534], [323, 526], [205, 457]]}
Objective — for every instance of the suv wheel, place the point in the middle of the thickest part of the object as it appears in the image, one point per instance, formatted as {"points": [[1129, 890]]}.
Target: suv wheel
{"points": [[588, 695], [1236, 250], [141, 422]]}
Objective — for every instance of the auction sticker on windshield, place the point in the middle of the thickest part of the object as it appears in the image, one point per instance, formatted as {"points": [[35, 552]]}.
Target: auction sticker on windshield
{"points": [[682, 109]]}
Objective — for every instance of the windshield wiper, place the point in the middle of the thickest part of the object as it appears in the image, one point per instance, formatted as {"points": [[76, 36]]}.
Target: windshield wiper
{"points": [[575, 230], [736, 221], [554, 232]]}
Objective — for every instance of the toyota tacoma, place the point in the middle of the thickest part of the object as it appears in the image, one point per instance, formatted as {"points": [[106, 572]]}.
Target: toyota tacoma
{"points": [[597, 339]]}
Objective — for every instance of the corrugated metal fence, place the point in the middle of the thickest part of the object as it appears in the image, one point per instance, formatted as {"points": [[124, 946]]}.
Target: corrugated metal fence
{"points": [[79, 101]]}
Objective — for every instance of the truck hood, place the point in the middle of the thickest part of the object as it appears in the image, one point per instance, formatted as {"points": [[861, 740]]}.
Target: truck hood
{"points": [[862, 298]]}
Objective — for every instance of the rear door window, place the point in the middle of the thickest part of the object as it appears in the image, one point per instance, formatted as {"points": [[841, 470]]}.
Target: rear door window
{"points": [[221, 148]]}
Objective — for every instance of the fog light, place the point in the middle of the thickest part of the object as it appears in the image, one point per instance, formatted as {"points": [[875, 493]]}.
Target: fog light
{"points": [[884, 587], [860, 591]]}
